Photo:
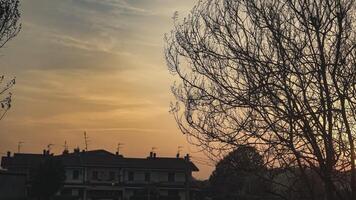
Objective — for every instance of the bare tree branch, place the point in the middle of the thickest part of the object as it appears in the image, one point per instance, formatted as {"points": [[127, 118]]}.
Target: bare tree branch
{"points": [[9, 28], [279, 75]]}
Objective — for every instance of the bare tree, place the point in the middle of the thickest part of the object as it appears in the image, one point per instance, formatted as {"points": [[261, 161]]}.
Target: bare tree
{"points": [[9, 28], [279, 75]]}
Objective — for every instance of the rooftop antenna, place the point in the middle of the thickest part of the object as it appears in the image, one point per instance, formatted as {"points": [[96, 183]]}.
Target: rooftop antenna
{"points": [[119, 145], [19, 144], [49, 147], [179, 149], [65, 145], [86, 140]]}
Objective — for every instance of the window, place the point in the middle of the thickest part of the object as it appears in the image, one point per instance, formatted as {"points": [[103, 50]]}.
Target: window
{"points": [[95, 175], [111, 176], [171, 177], [147, 177], [119, 176], [75, 192], [66, 191], [173, 193], [131, 176], [102, 175], [75, 175]]}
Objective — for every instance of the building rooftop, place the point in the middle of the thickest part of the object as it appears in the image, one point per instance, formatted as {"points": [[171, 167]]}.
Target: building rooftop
{"points": [[100, 158]]}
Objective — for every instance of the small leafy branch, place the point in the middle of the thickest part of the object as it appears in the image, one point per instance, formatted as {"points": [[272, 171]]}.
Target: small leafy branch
{"points": [[5, 95]]}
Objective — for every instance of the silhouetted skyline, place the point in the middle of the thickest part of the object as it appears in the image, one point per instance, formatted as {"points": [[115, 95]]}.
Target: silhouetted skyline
{"points": [[94, 66]]}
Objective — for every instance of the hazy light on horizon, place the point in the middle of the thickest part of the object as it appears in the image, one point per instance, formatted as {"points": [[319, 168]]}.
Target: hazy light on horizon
{"points": [[95, 66]]}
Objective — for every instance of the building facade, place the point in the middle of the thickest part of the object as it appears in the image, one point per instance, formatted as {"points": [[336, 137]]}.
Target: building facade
{"points": [[12, 186], [99, 174]]}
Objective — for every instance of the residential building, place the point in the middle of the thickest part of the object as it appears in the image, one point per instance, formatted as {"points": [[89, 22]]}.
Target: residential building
{"points": [[12, 186], [99, 174]]}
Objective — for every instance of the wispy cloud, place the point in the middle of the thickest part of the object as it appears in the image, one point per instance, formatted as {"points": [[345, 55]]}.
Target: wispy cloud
{"points": [[94, 65], [120, 6], [108, 46], [117, 130]]}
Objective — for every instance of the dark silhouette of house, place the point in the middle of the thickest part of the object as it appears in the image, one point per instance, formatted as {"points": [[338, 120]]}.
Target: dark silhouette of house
{"points": [[100, 174], [12, 185]]}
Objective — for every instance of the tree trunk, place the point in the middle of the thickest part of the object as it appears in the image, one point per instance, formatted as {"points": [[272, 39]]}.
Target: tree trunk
{"points": [[329, 189]]}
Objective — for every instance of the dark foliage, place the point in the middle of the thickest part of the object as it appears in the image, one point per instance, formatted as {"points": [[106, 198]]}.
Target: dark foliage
{"points": [[47, 178], [239, 175]]}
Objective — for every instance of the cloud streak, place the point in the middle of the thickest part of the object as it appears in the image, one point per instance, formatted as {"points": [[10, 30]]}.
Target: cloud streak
{"points": [[94, 65]]}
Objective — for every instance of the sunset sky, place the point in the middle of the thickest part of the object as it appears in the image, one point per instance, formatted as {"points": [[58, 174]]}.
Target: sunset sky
{"points": [[94, 66]]}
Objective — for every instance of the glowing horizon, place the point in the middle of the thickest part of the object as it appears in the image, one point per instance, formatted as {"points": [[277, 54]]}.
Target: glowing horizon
{"points": [[94, 66]]}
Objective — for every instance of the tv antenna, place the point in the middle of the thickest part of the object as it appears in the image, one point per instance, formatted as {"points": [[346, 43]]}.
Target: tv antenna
{"points": [[119, 146], [49, 147], [86, 141], [179, 149], [19, 145], [65, 145]]}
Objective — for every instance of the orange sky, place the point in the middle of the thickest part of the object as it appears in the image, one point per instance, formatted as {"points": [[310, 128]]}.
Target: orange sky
{"points": [[95, 66]]}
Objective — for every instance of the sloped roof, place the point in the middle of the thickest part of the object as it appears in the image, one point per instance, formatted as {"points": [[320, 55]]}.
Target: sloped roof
{"points": [[101, 158], [84, 158], [159, 163], [21, 159]]}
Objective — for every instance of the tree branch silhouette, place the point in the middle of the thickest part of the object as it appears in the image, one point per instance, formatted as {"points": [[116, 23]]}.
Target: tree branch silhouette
{"points": [[278, 75], [9, 28]]}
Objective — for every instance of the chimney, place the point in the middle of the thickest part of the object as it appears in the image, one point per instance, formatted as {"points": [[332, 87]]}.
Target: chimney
{"points": [[117, 153], [154, 155], [65, 152], [187, 158], [76, 150], [151, 154], [44, 152], [177, 156], [9, 154]]}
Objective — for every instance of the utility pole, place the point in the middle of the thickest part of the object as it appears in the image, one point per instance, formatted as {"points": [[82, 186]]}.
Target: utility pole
{"points": [[19, 144], [86, 141]]}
